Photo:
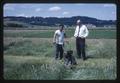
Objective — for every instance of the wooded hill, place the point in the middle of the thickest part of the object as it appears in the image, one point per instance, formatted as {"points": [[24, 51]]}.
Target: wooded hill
{"points": [[53, 21]]}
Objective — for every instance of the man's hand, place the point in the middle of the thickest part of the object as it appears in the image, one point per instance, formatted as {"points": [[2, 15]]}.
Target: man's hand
{"points": [[54, 42]]}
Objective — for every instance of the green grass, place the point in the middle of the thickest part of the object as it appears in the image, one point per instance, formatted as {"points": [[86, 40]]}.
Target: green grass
{"points": [[34, 34], [33, 59], [46, 68], [93, 33], [28, 48], [32, 68], [107, 34]]}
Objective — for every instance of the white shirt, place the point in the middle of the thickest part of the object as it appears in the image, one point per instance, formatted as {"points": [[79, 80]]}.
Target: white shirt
{"points": [[59, 37], [81, 31]]}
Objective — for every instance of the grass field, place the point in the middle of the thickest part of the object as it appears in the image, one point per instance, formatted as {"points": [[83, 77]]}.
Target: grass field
{"points": [[94, 33], [29, 55]]}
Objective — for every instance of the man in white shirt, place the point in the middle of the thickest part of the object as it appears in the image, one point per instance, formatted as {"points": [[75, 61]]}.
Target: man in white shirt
{"points": [[81, 32], [58, 40]]}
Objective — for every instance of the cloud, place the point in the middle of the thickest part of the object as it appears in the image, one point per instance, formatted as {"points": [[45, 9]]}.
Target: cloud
{"points": [[108, 5], [38, 9], [22, 14], [65, 13], [8, 7], [56, 8]]}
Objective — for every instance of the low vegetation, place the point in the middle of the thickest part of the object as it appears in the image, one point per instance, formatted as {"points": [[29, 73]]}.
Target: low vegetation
{"points": [[94, 33], [33, 59]]}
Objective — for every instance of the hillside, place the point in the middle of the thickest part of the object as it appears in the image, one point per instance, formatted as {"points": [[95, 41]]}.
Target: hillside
{"points": [[53, 21]]}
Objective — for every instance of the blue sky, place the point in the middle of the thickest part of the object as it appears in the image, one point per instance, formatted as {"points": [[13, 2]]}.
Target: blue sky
{"points": [[99, 11]]}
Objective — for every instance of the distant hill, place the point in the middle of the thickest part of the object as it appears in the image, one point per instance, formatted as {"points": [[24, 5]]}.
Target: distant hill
{"points": [[53, 21]]}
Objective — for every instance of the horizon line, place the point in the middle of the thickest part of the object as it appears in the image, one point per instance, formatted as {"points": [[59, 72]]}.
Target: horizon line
{"points": [[61, 17]]}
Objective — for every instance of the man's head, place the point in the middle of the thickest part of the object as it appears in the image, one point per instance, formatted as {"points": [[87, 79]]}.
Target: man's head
{"points": [[78, 22], [70, 52], [61, 27]]}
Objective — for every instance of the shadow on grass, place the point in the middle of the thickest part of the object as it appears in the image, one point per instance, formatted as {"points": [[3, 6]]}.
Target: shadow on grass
{"points": [[90, 57]]}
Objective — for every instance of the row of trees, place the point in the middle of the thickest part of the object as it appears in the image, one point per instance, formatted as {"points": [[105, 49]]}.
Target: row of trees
{"points": [[69, 21]]}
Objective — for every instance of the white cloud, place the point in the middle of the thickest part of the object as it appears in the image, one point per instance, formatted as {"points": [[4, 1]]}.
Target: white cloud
{"points": [[8, 7], [109, 5], [22, 14], [56, 8], [38, 9], [65, 13]]}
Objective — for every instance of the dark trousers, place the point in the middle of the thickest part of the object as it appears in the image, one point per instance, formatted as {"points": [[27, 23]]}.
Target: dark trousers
{"points": [[59, 51], [80, 47]]}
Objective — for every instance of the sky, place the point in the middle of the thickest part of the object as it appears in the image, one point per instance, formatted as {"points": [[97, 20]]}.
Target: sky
{"points": [[99, 11]]}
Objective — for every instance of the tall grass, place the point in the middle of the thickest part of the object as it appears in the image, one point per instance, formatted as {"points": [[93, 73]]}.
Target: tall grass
{"points": [[42, 69], [28, 48], [30, 60], [101, 49]]}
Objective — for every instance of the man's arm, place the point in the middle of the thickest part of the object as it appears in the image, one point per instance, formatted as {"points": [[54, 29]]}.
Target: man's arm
{"points": [[54, 38], [86, 32]]}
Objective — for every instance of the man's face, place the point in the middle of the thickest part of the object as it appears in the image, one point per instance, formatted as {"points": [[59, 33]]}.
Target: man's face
{"points": [[78, 23], [61, 28]]}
